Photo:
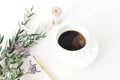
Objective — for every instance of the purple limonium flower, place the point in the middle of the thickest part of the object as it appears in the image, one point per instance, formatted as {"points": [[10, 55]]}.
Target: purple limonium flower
{"points": [[32, 68], [18, 46], [26, 52]]}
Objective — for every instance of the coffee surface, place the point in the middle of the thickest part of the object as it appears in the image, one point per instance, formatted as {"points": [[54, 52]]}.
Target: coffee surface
{"points": [[72, 40]]}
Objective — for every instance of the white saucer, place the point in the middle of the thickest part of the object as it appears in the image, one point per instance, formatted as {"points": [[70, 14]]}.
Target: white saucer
{"points": [[63, 63]]}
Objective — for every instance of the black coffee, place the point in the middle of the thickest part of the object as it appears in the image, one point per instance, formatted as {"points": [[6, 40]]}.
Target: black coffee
{"points": [[72, 40]]}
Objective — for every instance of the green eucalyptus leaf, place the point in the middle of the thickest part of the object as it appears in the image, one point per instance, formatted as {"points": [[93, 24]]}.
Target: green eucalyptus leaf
{"points": [[21, 56], [22, 23], [11, 50], [21, 31], [13, 62], [13, 55], [4, 52], [13, 39], [32, 8], [34, 34], [21, 70], [30, 15], [0, 48], [10, 42], [6, 62], [20, 64], [19, 75], [1, 69], [26, 21], [37, 38], [17, 35], [1, 66], [27, 11], [1, 39], [16, 38]]}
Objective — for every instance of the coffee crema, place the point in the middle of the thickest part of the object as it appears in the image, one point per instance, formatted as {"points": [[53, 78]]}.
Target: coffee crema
{"points": [[72, 40]]}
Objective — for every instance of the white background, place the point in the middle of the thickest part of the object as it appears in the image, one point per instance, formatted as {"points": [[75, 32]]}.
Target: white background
{"points": [[102, 17]]}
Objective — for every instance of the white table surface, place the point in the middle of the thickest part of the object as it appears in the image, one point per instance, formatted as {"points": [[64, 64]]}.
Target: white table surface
{"points": [[102, 17]]}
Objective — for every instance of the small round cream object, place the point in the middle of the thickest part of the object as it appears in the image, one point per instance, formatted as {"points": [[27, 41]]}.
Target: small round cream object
{"points": [[56, 15]]}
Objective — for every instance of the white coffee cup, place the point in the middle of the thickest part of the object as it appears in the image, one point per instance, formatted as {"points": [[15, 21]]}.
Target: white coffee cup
{"points": [[57, 58]]}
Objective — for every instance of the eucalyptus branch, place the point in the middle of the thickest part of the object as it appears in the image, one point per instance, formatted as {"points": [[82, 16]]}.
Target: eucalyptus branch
{"points": [[16, 50], [27, 17]]}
